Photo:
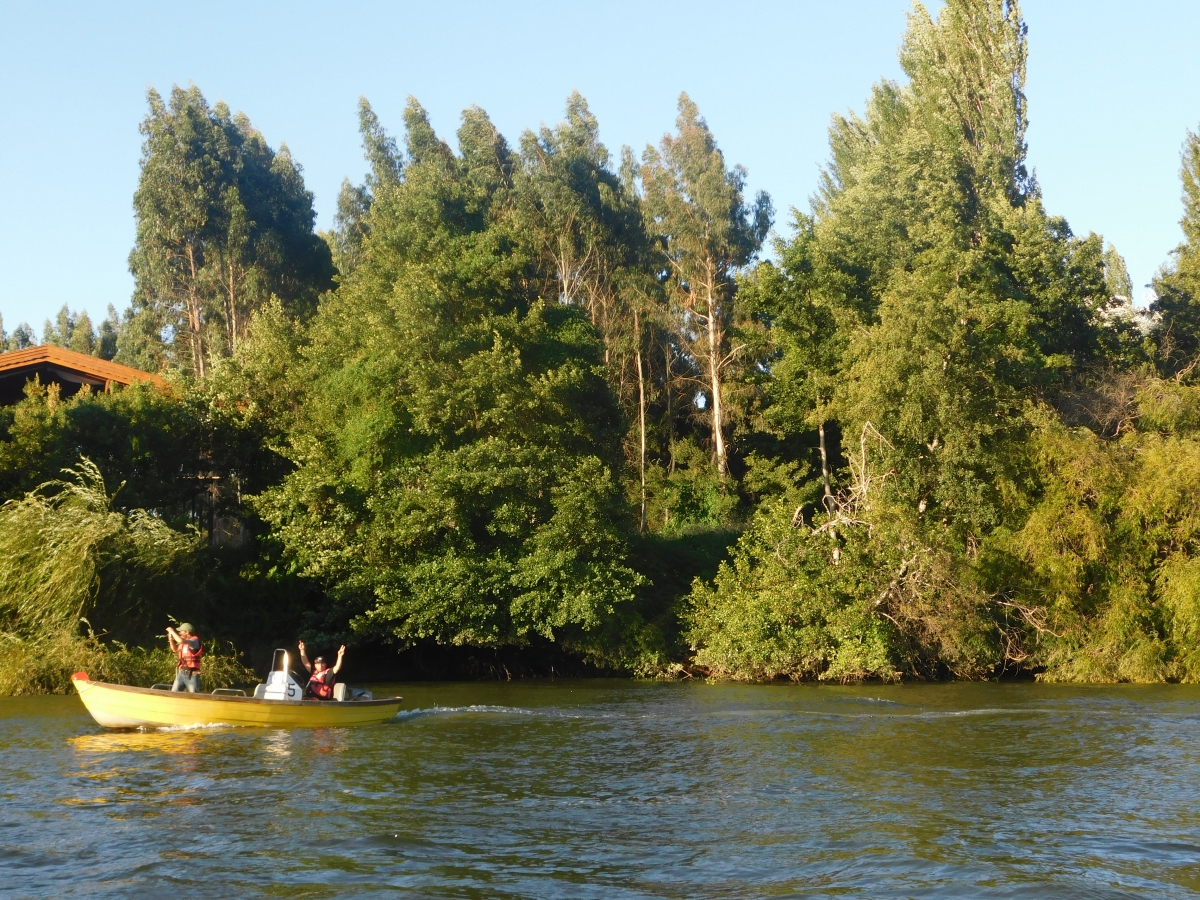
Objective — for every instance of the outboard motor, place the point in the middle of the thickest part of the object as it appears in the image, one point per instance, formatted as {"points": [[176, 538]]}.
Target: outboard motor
{"points": [[280, 685]]}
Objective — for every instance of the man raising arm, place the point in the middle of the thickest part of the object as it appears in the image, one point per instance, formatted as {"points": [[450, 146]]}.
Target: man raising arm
{"points": [[320, 684]]}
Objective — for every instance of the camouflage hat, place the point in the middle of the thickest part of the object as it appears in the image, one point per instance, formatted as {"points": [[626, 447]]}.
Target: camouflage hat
{"points": [[186, 626]]}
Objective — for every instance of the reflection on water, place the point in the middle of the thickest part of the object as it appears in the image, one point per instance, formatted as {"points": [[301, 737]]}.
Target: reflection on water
{"points": [[141, 741], [278, 744], [619, 789]]}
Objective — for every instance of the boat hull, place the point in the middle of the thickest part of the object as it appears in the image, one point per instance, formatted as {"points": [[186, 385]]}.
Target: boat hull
{"points": [[119, 706]]}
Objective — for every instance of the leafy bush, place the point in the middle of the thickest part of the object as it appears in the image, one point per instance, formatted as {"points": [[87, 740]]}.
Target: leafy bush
{"points": [[1108, 557], [66, 555], [1098, 583]]}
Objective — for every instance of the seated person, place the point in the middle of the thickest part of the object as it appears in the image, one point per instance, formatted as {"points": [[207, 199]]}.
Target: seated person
{"points": [[320, 684]]}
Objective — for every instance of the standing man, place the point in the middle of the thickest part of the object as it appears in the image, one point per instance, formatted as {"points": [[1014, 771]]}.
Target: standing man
{"points": [[188, 649], [323, 678]]}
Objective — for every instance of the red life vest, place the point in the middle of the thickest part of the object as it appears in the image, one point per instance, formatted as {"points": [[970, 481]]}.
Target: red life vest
{"points": [[321, 684], [188, 658]]}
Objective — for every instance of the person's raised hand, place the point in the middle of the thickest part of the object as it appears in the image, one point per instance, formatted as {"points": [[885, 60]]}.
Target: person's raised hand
{"points": [[300, 645], [341, 651]]}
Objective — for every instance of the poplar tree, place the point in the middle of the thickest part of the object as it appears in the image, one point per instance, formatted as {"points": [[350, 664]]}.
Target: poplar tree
{"points": [[1116, 275], [936, 305], [709, 232], [973, 298], [1177, 285]]}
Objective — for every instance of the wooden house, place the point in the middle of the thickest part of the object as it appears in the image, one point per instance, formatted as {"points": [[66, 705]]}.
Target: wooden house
{"points": [[66, 368]]}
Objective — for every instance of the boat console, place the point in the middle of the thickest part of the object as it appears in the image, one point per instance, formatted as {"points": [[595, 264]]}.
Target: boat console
{"points": [[280, 685]]}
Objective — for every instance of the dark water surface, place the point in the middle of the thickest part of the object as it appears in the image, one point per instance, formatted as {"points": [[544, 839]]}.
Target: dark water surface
{"points": [[613, 789]]}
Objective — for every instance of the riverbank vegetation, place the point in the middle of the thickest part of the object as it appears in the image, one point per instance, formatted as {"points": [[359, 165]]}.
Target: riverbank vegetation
{"points": [[69, 557], [543, 399]]}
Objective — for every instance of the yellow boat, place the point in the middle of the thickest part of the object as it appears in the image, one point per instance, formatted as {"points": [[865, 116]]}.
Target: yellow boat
{"points": [[120, 706]]}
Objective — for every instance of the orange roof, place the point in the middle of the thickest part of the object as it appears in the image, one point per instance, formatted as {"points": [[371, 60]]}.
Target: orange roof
{"points": [[91, 367]]}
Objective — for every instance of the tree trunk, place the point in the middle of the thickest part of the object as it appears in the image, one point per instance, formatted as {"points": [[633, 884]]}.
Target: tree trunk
{"points": [[637, 329], [827, 498], [195, 319], [232, 313], [714, 374], [669, 388]]}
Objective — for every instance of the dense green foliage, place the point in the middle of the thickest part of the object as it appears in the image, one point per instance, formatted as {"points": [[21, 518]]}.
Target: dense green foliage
{"points": [[165, 448], [21, 338], [549, 386], [458, 449], [68, 556], [75, 332], [938, 316]]}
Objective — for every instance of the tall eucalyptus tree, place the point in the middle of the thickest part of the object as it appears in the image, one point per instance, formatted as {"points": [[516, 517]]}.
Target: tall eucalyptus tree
{"points": [[223, 222], [588, 228], [709, 232], [386, 168]]}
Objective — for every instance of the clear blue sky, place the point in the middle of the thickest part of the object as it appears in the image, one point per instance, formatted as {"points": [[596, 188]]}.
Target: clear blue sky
{"points": [[1112, 88]]}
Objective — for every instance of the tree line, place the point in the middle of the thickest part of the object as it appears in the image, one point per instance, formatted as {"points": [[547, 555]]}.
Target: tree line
{"points": [[546, 396]]}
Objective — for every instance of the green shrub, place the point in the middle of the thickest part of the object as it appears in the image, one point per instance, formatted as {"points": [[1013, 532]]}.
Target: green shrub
{"points": [[66, 556]]}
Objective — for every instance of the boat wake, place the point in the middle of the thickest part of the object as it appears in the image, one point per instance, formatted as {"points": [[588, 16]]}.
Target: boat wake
{"points": [[173, 729], [479, 708]]}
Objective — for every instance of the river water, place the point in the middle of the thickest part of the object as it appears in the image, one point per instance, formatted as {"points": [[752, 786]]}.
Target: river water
{"points": [[617, 789]]}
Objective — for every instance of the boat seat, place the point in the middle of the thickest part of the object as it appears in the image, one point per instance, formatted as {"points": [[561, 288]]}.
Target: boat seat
{"points": [[339, 690], [260, 692]]}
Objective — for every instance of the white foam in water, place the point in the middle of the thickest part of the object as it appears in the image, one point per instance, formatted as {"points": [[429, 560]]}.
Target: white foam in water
{"points": [[987, 711], [161, 729], [437, 710]]}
